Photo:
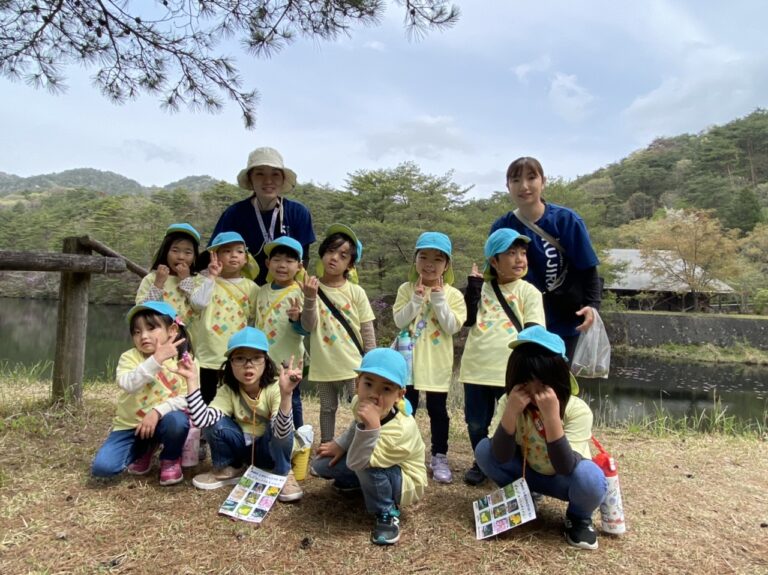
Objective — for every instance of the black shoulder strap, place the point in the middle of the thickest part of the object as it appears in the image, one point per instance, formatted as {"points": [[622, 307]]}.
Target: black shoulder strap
{"points": [[341, 319], [505, 305]]}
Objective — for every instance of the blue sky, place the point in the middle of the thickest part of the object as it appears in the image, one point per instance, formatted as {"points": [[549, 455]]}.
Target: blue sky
{"points": [[577, 84]]}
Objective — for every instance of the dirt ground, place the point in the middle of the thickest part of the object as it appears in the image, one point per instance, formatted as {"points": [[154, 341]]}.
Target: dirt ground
{"points": [[694, 504]]}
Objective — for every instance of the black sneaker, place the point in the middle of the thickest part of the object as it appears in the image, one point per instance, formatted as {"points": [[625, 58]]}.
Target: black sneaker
{"points": [[580, 533], [387, 529], [473, 475], [344, 488]]}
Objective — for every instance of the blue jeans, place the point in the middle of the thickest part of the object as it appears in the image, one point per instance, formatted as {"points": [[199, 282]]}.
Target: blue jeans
{"points": [[479, 406], [584, 489], [123, 447], [381, 486], [228, 447], [298, 410]]}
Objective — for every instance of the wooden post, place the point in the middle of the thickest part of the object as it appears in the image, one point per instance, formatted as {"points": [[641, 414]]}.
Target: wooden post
{"points": [[71, 323]]}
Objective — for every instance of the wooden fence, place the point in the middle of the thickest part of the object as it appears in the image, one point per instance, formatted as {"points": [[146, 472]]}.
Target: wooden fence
{"points": [[76, 263]]}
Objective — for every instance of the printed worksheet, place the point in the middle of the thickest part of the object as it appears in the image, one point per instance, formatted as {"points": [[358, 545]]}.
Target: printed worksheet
{"points": [[253, 496], [503, 509]]}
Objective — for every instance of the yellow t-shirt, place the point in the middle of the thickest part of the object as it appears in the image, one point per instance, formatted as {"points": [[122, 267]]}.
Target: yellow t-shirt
{"points": [[433, 347], [172, 294], [240, 407], [272, 318], [486, 351], [334, 357], [400, 444], [577, 425], [132, 407], [228, 312]]}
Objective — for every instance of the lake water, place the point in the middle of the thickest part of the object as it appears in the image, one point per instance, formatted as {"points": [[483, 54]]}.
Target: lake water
{"points": [[636, 385]]}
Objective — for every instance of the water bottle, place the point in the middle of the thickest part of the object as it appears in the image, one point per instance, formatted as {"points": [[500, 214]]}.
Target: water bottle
{"points": [[611, 509], [405, 347], [190, 454]]}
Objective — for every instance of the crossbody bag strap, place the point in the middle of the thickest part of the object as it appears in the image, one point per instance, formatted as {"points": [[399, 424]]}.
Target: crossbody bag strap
{"points": [[539, 231], [505, 305], [341, 319]]}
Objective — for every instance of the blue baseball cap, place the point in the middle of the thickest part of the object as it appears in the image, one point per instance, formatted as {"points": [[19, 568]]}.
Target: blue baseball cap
{"points": [[160, 307], [434, 241], [387, 363], [225, 238], [540, 336], [183, 228], [497, 243], [548, 340], [286, 241], [249, 337]]}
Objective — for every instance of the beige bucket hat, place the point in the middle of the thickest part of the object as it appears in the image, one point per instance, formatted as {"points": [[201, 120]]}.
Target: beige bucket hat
{"points": [[266, 157]]}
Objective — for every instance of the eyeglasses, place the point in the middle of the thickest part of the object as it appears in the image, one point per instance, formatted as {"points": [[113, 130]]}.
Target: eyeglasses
{"points": [[242, 361]]}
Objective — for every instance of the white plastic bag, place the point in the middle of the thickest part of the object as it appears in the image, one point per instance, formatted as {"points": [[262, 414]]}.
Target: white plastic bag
{"points": [[592, 356]]}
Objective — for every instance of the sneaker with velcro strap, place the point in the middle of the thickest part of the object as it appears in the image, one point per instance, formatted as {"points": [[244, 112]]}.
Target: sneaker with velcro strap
{"points": [[580, 533], [387, 528]]}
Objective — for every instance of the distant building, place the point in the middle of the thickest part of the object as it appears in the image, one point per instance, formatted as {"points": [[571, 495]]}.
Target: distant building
{"points": [[640, 288]]}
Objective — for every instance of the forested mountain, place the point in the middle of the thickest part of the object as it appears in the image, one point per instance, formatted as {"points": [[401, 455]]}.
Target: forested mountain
{"points": [[83, 178], [723, 169]]}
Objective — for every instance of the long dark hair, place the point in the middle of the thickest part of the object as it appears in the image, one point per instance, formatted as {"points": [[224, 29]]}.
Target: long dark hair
{"points": [[155, 320], [531, 361], [227, 376], [161, 257]]}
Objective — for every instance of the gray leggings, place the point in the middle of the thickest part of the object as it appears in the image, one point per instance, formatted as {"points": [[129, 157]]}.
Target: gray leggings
{"points": [[329, 403]]}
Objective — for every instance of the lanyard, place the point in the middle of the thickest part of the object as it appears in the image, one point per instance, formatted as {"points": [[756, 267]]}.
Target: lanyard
{"points": [[268, 237]]}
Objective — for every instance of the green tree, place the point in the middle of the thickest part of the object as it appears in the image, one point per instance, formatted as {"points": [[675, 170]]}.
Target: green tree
{"points": [[389, 209], [692, 248], [172, 50]]}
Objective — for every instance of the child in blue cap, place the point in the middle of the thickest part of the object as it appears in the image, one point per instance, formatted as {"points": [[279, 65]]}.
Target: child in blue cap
{"points": [[544, 434], [278, 307], [381, 452], [340, 324], [151, 404], [174, 277], [250, 418], [484, 360], [225, 303], [432, 311]]}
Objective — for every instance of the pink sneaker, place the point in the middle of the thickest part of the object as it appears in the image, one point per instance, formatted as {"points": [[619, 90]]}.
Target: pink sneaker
{"points": [[170, 471], [142, 465]]}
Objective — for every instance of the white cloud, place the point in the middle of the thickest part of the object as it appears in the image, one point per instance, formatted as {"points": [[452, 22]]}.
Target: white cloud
{"points": [[540, 64], [151, 152], [568, 98], [426, 137], [375, 45]]}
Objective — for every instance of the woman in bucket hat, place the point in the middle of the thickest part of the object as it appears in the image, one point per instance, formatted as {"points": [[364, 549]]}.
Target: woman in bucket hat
{"points": [[266, 214]]}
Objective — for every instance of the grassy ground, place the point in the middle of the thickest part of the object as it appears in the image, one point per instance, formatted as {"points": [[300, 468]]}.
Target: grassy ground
{"points": [[695, 503]]}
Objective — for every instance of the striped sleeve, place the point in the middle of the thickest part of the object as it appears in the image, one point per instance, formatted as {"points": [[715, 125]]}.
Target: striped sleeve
{"points": [[202, 415], [282, 424]]}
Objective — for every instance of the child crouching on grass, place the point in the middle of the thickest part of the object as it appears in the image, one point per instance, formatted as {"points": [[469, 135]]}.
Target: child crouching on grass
{"points": [[249, 419], [544, 434], [152, 398], [381, 452]]}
